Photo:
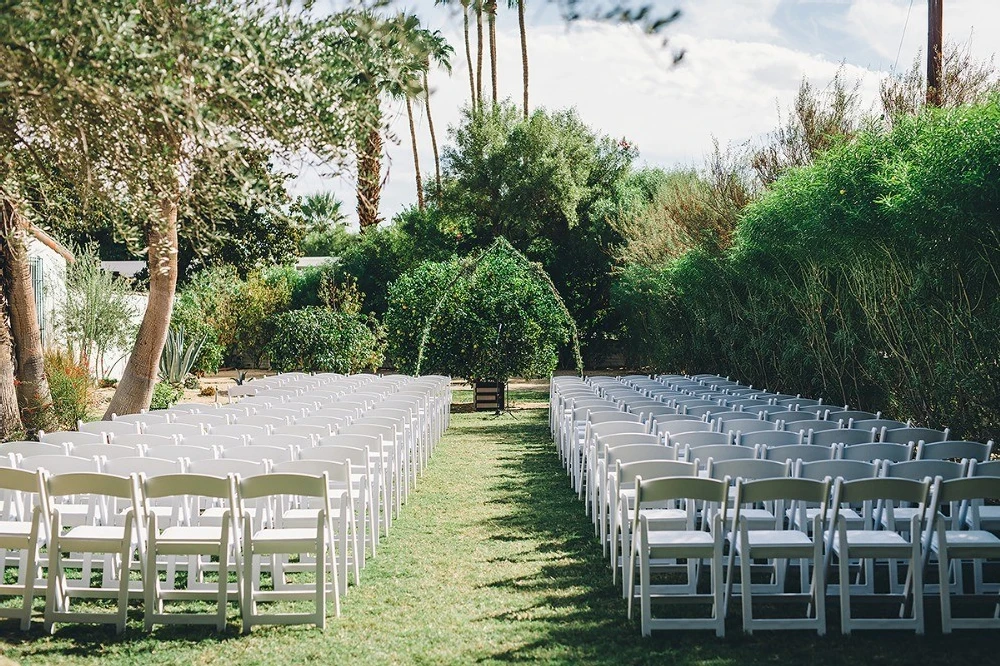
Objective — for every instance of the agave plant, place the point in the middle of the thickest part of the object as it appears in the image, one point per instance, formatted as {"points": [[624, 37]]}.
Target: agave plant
{"points": [[179, 356]]}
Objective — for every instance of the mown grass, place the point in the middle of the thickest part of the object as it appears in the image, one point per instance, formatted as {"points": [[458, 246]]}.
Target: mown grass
{"points": [[492, 561]]}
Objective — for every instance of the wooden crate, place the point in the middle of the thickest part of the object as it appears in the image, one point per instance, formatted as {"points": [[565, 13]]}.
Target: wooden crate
{"points": [[491, 396]]}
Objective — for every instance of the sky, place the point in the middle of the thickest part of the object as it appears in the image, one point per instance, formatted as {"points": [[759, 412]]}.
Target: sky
{"points": [[743, 63]]}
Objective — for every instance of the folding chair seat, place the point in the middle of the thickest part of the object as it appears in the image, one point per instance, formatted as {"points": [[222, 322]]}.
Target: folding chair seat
{"points": [[962, 542], [22, 535], [116, 543], [840, 437], [71, 438], [780, 544], [871, 543], [914, 436], [275, 541], [955, 450], [174, 429], [621, 480], [691, 542], [344, 539], [194, 541]]}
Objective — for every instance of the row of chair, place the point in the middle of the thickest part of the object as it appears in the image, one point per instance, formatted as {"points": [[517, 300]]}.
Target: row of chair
{"points": [[366, 468], [605, 460]]}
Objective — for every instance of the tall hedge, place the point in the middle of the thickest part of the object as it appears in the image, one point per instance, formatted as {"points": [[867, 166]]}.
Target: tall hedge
{"points": [[871, 277]]}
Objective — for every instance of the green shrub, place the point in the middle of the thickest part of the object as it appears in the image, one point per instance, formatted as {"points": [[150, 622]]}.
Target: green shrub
{"points": [[318, 339], [72, 390], [494, 315], [165, 395]]}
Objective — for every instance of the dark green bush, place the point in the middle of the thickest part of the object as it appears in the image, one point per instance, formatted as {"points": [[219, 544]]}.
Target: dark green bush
{"points": [[318, 339], [494, 315], [165, 395]]}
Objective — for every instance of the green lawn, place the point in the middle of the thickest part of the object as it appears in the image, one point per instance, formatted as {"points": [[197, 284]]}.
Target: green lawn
{"points": [[492, 561]]}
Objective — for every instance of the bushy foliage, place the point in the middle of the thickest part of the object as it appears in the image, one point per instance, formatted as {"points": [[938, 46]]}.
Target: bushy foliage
{"points": [[492, 315], [165, 395], [320, 339], [72, 390], [869, 277]]}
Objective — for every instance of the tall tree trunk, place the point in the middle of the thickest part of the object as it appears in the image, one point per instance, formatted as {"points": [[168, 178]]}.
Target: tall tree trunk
{"points": [[430, 126], [524, 53], [479, 53], [369, 177], [10, 415], [416, 157], [491, 16], [33, 386], [135, 390], [468, 53]]}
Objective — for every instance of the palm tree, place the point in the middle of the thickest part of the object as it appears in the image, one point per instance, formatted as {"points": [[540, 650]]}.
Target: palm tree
{"points": [[524, 51], [439, 51], [479, 54], [491, 17], [466, 4]]}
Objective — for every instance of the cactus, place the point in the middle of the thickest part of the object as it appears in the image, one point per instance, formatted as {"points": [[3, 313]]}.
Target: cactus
{"points": [[178, 358]]}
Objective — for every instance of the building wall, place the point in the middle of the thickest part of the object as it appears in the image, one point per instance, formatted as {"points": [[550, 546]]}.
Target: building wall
{"points": [[53, 287]]}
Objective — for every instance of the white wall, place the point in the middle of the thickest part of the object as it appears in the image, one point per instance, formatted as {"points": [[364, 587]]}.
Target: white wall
{"points": [[54, 284]]}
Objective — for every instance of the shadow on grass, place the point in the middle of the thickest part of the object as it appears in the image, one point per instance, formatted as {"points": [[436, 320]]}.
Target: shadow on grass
{"points": [[583, 618]]}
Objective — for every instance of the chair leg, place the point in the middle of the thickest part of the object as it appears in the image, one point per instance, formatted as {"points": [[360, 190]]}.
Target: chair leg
{"points": [[944, 591], [845, 592]]}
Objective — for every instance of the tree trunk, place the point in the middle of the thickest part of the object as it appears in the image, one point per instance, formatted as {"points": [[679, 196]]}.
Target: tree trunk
{"points": [[434, 143], [33, 385], [479, 53], [491, 16], [524, 53], [416, 157], [135, 390], [10, 415], [468, 53], [369, 178]]}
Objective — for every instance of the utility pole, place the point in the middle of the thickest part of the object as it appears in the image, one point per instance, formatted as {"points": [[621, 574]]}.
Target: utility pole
{"points": [[935, 50]]}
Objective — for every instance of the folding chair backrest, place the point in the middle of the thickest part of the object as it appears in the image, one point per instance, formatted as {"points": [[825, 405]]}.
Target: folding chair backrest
{"points": [[359, 441], [214, 441], [708, 412], [336, 472], [743, 424], [955, 450], [626, 473], [626, 438], [804, 404], [633, 452], [925, 469], [812, 425], [848, 415], [181, 451], [678, 487], [197, 485], [264, 485], [142, 441], [315, 431], [71, 437], [797, 452], [749, 469], [263, 418], [89, 483], [174, 429], [60, 464], [331, 423], [895, 490], [258, 453], [284, 441], [105, 451], [914, 435], [799, 490], [142, 419], [108, 427], [705, 455], [877, 424], [990, 468], [848, 470], [961, 490], [26, 448], [149, 467], [694, 439], [790, 417], [240, 430], [768, 438], [226, 466], [204, 419], [877, 451], [845, 436]]}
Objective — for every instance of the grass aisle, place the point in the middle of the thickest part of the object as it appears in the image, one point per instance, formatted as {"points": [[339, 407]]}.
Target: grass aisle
{"points": [[491, 561]]}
